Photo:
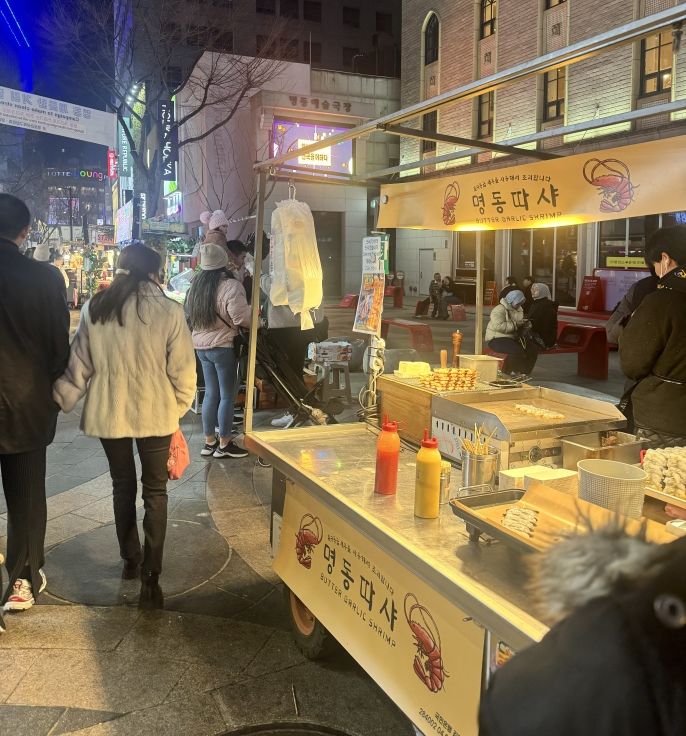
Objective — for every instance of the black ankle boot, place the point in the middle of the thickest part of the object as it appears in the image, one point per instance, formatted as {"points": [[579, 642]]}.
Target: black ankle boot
{"points": [[151, 596]]}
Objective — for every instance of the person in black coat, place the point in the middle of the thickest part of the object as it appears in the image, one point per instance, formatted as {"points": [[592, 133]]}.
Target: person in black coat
{"points": [[510, 285], [449, 294], [613, 663], [527, 284], [543, 317], [34, 350], [652, 347]]}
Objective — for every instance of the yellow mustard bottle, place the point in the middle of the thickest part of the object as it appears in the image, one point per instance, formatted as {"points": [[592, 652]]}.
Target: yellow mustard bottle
{"points": [[427, 492]]}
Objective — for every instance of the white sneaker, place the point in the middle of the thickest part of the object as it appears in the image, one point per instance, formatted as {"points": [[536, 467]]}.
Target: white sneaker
{"points": [[22, 594], [283, 422]]}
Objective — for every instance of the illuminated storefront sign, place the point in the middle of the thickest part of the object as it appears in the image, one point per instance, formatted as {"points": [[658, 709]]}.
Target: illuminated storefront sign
{"points": [[124, 149], [322, 157], [289, 135], [123, 223], [169, 138], [78, 174], [111, 164]]}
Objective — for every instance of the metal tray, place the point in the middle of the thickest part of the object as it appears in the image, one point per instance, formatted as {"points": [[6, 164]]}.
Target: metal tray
{"points": [[466, 507]]}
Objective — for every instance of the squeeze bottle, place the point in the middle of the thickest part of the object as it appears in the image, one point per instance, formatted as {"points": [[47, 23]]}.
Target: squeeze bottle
{"points": [[427, 492], [387, 453]]}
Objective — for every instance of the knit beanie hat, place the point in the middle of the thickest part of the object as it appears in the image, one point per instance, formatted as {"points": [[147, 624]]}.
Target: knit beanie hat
{"points": [[42, 252], [205, 218], [218, 219], [213, 257]]}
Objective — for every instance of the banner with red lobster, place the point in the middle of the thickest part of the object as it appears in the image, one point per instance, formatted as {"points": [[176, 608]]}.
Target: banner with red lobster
{"points": [[631, 181], [416, 644]]}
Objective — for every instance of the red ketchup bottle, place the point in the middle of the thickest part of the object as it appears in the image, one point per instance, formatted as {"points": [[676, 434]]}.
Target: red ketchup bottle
{"points": [[387, 454]]}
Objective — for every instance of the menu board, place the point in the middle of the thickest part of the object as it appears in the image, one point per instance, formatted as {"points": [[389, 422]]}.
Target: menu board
{"points": [[616, 283]]}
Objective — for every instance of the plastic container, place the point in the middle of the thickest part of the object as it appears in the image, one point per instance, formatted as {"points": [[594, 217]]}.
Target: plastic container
{"points": [[387, 454], [615, 486], [485, 365], [427, 492], [478, 470], [446, 468]]}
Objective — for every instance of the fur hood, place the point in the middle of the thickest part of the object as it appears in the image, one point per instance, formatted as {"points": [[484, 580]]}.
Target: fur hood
{"points": [[589, 566]]}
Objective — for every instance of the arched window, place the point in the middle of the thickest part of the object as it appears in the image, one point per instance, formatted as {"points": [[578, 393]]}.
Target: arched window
{"points": [[431, 40]]}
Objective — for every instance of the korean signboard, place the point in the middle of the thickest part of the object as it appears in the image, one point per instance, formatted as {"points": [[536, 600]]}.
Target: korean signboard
{"points": [[614, 183], [46, 115], [111, 164], [322, 157], [370, 302], [169, 137], [424, 652]]}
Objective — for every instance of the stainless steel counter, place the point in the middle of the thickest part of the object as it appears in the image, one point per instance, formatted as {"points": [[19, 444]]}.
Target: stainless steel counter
{"points": [[336, 464]]}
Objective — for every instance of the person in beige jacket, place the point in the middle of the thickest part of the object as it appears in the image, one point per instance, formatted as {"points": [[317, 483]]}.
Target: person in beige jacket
{"points": [[506, 333], [132, 357]]}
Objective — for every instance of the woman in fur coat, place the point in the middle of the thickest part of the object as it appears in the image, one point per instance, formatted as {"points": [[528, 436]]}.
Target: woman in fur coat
{"points": [[133, 359]]}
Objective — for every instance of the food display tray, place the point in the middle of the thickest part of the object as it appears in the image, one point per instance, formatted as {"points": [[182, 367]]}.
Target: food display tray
{"points": [[559, 515], [666, 497]]}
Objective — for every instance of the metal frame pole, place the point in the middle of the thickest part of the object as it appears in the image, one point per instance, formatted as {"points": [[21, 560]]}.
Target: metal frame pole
{"points": [[479, 326], [255, 304]]}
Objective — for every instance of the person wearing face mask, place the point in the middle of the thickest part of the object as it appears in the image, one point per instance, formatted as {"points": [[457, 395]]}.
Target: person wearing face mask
{"points": [[652, 347], [505, 333]]}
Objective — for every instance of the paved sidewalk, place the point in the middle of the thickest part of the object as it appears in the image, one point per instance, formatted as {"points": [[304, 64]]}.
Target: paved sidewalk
{"points": [[219, 657]]}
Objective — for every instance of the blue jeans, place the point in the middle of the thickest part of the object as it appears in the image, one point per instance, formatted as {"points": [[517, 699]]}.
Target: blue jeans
{"points": [[220, 369]]}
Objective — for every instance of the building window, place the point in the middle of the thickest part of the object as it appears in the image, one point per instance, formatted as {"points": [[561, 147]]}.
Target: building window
{"points": [[268, 7], [552, 3], [349, 55], [289, 9], [289, 49], [554, 94], [488, 13], [656, 63], [485, 115], [431, 40], [429, 125], [312, 11], [351, 17], [384, 23], [312, 52]]}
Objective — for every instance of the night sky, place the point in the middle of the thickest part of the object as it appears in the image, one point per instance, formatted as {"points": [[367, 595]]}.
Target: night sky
{"points": [[39, 69]]}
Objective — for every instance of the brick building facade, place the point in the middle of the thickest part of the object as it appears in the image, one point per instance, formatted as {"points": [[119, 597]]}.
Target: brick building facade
{"points": [[448, 43]]}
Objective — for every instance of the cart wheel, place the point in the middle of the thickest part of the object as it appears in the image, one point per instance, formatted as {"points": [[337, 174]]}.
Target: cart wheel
{"points": [[474, 533], [311, 638]]}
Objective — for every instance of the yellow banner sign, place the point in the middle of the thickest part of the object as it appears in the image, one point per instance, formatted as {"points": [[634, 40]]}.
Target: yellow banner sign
{"points": [[642, 179], [625, 262], [422, 650]]}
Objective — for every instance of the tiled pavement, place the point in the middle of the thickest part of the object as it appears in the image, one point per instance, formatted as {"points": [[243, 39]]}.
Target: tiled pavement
{"points": [[220, 656]]}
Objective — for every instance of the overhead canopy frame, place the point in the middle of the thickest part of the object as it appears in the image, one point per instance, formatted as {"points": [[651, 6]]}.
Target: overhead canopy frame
{"points": [[278, 166]]}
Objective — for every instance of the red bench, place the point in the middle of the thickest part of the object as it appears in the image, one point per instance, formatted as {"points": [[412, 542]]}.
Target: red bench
{"points": [[349, 301], [588, 341], [420, 334]]}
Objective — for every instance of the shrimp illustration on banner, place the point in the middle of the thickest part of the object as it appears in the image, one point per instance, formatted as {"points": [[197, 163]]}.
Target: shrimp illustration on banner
{"points": [[452, 194], [613, 179], [307, 538], [428, 662]]}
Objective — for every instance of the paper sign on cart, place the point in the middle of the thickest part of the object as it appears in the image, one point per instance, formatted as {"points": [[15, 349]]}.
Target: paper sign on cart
{"points": [[370, 304], [415, 643]]}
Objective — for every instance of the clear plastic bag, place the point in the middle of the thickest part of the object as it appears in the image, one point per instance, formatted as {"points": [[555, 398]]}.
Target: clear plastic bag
{"points": [[295, 266]]}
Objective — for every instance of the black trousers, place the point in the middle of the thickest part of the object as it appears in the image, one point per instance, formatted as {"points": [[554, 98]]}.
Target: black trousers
{"points": [[154, 453], [293, 341], [520, 358], [23, 480]]}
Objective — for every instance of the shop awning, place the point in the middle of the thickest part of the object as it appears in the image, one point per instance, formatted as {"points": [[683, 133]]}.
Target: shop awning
{"points": [[608, 184]]}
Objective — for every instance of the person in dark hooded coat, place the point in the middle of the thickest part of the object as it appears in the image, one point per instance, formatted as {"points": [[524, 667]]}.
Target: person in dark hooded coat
{"points": [[614, 664], [652, 347]]}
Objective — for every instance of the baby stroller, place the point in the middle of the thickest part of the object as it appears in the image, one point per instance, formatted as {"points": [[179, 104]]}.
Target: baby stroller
{"points": [[303, 403]]}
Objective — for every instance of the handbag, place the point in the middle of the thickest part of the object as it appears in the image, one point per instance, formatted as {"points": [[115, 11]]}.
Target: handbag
{"points": [[241, 339], [179, 456]]}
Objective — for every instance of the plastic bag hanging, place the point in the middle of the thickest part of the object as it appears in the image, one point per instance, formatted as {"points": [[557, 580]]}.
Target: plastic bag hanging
{"points": [[295, 266]]}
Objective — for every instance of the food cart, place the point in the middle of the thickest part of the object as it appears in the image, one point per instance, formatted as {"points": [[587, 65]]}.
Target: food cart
{"points": [[426, 611]]}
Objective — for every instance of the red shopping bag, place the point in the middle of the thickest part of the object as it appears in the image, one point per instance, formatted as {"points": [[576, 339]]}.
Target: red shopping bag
{"points": [[179, 456]]}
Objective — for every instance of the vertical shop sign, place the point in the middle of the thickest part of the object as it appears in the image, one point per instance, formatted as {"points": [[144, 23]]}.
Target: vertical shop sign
{"points": [[169, 138], [370, 303], [111, 164], [412, 641], [124, 149]]}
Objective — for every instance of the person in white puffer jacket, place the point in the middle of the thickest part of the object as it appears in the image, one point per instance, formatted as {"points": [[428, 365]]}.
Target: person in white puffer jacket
{"points": [[132, 358]]}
